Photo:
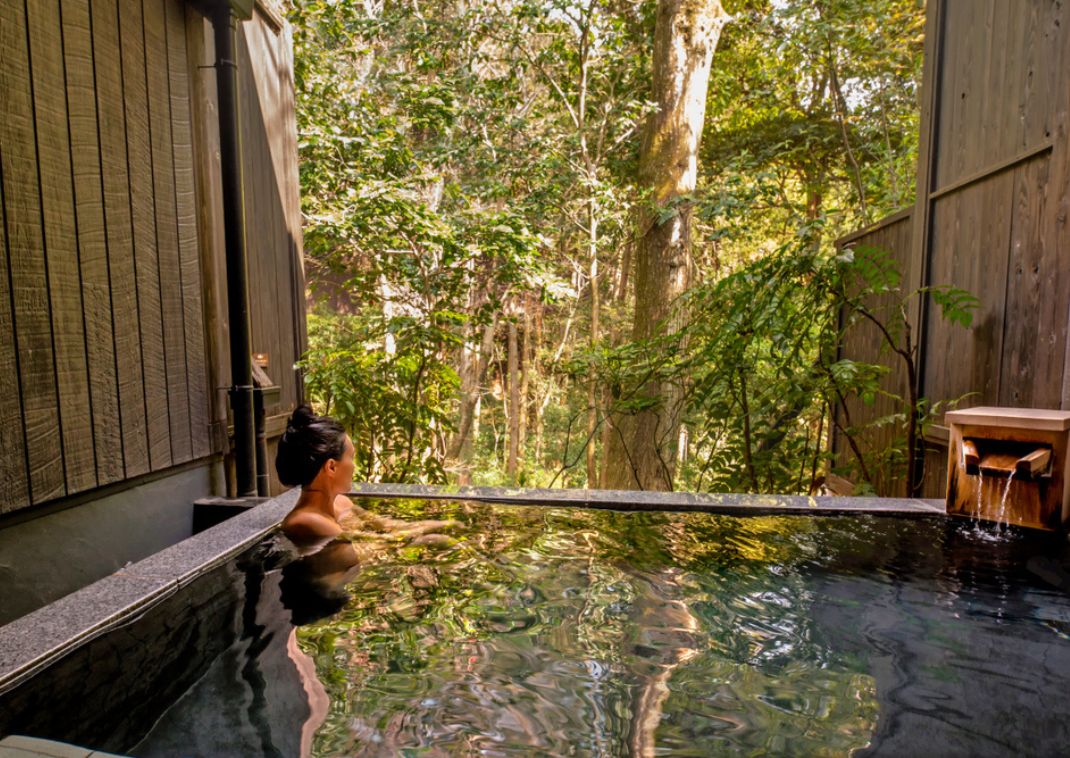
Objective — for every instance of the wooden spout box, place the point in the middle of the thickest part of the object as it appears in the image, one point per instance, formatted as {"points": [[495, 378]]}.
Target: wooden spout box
{"points": [[1037, 501]]}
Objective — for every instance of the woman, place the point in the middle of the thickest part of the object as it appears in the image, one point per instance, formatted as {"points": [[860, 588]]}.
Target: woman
{"points": [[316, 454]]}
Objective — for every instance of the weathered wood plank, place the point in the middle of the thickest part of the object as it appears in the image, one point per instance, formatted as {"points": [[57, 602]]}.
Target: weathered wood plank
{"points": [[1033, 340], [92, 241], [992, 67], [28, 272], [949, 105], [1034, 56], [185, 204], [1012, 110], [971, 237], [1057, 223], [271, 61], [146, 256], [864, 343], [163, 175], [255, 153], [996, 120], [260, 203], [61, 244], [973, 43], [14, 484], [118, 225]]}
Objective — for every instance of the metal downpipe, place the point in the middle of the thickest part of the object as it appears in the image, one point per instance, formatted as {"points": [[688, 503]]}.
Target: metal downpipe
{"points": [[241, 366]]}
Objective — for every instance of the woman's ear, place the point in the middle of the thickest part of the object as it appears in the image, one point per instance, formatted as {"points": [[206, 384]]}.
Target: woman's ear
{"points": [[331, 465]]}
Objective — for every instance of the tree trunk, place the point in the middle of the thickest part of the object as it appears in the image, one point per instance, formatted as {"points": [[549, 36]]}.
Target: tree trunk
{"points": [[536, 406], [474, 361], [513, 406], [592, 379], [643, 454], [525, 375]]}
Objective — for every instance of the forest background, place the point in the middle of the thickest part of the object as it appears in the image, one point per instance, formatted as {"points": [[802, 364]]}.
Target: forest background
{"points": [[529, 264]]}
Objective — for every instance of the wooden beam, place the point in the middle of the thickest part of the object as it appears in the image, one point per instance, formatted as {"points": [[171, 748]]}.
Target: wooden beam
{"points": [[991, 169]]}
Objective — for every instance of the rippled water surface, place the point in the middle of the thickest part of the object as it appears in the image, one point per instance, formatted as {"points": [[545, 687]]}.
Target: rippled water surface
{"points": [[550, 631]]}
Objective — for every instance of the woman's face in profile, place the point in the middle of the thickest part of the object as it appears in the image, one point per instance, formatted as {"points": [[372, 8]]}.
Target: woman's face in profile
{"points": [[346, 466]]}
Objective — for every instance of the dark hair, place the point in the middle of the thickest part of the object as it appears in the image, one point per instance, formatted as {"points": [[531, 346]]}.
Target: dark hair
{"points": [[308, 442]]}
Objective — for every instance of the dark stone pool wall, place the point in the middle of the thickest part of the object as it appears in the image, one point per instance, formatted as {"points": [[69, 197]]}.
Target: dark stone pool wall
{"points": [[42, 638]]}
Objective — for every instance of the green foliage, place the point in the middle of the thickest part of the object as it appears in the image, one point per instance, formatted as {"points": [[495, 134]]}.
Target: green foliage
{"points": [[462, 163], [763, 374], [395, 404]]}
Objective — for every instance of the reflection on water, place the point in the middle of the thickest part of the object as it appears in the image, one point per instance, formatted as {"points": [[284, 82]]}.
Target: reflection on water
{"points": [[602, 633], [535, 631]]}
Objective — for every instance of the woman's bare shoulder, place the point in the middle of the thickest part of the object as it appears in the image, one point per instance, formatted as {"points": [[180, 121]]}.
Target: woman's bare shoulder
{"points": [[304, 526]]}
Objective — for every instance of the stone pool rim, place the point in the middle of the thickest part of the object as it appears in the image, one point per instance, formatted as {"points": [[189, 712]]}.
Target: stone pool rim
{"points": [[29, 644]]}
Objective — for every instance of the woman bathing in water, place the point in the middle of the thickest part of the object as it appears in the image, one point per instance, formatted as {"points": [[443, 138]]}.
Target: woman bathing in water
{"points": [[316, 454]]}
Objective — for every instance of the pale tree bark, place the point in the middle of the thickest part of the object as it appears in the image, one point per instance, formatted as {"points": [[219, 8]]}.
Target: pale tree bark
{"points": [[643, 451], [592, 380], [525, 374], [536, 407], [475, 358], [513, 406]]}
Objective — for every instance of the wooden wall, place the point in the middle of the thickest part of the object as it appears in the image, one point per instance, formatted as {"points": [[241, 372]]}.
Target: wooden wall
{"points": [[269, 151], [863, 342], [102, 371], [272, 209], [113, 334], [993, 196]]}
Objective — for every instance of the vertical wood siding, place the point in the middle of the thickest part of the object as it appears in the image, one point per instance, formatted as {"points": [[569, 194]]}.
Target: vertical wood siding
{"points": [[92, 241], [103, 372], [269, 153], [272, 205], [863, 342], [992, 207], [119, 236], [26, 260]]}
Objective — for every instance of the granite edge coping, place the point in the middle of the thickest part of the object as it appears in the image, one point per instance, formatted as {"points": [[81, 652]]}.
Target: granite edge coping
{"points": [[32, 642], [728, 503]]}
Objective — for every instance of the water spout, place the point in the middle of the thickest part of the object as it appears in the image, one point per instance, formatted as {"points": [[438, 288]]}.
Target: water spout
{"points": [[1027, 450], [1002, 516]]}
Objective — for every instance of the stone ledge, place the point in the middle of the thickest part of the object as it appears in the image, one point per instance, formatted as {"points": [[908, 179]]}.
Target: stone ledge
{"points": [[32, 642], [638, 500], [17, 746]]}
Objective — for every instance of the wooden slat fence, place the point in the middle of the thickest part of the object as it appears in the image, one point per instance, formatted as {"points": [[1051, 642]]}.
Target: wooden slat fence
{"points": [[992, 206], [863, 342]]}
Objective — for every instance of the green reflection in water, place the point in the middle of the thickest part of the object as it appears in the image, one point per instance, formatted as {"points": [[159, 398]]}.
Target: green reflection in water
{"points": [[566, 632]]}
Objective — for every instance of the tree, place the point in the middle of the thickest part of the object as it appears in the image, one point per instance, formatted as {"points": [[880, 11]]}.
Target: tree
{"points": [[467, 166], [643, 451]]}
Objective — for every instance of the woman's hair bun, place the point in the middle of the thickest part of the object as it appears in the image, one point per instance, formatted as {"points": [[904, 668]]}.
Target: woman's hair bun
{"points": [[308, 442], [301, 417]]}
